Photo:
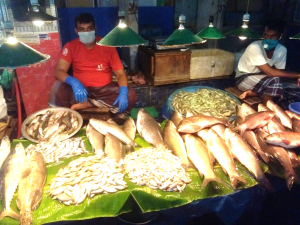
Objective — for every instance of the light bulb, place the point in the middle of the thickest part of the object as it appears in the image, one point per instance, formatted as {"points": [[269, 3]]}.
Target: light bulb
{"points": [[38, 23], [11, 40], [242, 37]]}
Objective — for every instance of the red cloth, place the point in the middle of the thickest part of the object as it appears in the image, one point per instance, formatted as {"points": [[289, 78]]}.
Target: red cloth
{"points": [[92, 67]]}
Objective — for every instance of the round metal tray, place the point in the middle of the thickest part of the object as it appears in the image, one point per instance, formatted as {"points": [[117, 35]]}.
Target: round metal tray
{"points": [[28, 120]]}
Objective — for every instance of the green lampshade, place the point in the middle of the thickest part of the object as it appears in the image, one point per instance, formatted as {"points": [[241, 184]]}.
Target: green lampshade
{"points": [[296, 36], [244, 32], [182, 37], [122, 37], [19, 55], [210, 33]]}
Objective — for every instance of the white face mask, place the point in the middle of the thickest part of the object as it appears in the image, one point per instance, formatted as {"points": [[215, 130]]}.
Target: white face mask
{"points": [[87, 37]]}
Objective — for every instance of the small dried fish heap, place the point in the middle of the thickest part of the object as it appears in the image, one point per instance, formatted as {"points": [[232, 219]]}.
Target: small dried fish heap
{"points": [[86, 177], [207, 102], [52, 125], [156, 168], [55, 151]]}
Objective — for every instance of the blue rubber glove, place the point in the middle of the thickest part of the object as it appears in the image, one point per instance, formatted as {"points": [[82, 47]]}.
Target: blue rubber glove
{"points": [[122, 99], [78, 89]]}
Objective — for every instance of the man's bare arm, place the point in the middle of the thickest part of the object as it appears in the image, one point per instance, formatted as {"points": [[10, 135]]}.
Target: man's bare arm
{"points": [[121, 77], [273, 72], [61, 69]]}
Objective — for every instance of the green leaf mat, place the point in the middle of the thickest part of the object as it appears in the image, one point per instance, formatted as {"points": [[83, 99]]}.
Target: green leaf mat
{"points": [[110, 205]]}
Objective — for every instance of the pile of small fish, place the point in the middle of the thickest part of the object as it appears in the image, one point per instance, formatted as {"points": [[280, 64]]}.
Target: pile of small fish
{"points": [[156, 168], [86, 177], [52, 125], [29, 173], [205, 102], [56, 150]]}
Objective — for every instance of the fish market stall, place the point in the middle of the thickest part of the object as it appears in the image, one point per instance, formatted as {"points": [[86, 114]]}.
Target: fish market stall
{"points": [[104, 168]]}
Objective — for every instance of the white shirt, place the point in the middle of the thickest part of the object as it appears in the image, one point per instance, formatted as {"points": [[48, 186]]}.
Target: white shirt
{"points": [[255, 55]]}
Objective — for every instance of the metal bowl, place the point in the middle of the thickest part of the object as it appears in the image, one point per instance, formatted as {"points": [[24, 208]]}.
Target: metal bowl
{"points": [[28, 120]]}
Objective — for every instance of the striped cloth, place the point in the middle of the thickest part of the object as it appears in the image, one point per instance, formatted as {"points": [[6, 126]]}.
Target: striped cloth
{"points": [[283, 89]]}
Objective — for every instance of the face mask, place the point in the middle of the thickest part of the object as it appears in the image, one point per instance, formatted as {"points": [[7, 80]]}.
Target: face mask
{"points": [[87, 37], [269, 44]]}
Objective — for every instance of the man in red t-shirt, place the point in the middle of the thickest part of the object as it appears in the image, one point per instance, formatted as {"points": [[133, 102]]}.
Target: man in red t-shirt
{"points": [[91, 84]]}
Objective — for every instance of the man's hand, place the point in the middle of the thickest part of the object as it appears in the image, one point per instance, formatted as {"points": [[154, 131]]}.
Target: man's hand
{"points": [[122, 99], [78, 89]]}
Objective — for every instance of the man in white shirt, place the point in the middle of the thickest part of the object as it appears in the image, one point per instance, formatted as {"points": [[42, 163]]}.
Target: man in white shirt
{"points": [[260, 70]]}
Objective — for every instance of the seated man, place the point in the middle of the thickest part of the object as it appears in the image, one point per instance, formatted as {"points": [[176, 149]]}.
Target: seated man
{"points": [[91, 84], [260, 69]]}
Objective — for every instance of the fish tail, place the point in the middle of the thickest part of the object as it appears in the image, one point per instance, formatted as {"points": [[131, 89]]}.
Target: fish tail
{"points": [[235, 178], [290, 178], [129, 148], [216, 179], [264, 181], [11, 213], [26, 218]]}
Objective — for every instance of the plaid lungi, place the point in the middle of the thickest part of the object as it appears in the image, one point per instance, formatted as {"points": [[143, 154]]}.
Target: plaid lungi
{"points": [[284, 89]]}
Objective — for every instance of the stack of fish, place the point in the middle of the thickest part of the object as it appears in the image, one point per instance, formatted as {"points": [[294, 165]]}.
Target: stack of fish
{"points": [[156, 168], [52, 125], [86, 177], [203, 140], [54, 151], [30, 177], [273, 133]]}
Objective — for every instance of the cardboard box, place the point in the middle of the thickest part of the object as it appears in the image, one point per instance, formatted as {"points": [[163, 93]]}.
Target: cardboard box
{"points": [[206, 63]]}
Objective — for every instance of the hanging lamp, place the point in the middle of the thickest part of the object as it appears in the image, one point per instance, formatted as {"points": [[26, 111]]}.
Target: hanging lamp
{"points": [[296, 36], [182, 36], [244, 31], [15, 54], [122, 35], [36, 15], [211, 32]]}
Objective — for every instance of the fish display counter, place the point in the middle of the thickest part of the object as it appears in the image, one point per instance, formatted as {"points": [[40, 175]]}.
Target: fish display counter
{"points": [[157, 167]]}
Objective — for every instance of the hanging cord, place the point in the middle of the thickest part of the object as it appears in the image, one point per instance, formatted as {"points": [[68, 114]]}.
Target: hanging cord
{"points": [[18, 98], [247, 6]]}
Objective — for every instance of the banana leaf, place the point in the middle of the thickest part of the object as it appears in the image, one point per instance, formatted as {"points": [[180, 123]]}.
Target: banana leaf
{"points": [[110, 205]]}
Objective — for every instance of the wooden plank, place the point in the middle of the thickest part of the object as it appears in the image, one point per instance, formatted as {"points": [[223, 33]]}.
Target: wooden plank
{"points": [[249, 100]]}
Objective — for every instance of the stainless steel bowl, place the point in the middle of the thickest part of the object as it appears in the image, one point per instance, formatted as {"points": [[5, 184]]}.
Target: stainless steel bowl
{"points": [[28, 120]]}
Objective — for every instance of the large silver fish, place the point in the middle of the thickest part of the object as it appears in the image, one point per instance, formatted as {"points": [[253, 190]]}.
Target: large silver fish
{"points": [[292, 114], [194, 124], [4, 149], [284, 139], [114, 148], [175, 143], [280, 113], [253, 121], [31, 186], [244, 153], [9, 179], [223, 155], [96, 139], [105, 127], [198, 153], [149, 129], [129, 128]]}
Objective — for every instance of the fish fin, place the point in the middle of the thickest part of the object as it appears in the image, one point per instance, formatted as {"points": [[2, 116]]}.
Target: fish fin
{"points": [[26, 217], [287, 142], [10, 213]]}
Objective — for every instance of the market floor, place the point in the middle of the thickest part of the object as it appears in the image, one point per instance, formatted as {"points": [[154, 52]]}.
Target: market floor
{"points": [[280, 207]]}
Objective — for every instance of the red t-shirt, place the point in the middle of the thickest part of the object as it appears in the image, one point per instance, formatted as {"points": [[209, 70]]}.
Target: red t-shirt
{"points": [[92, 67]]}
